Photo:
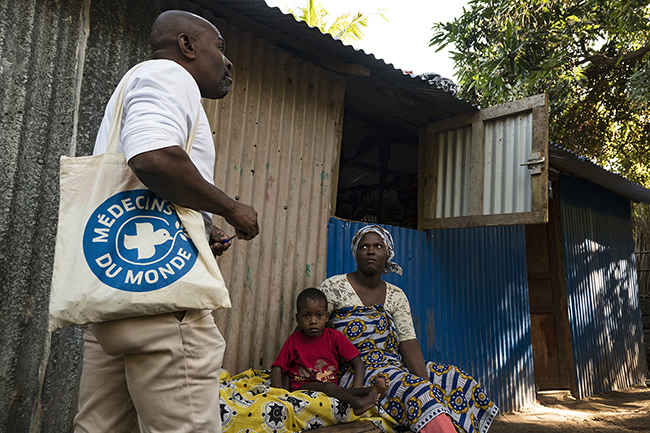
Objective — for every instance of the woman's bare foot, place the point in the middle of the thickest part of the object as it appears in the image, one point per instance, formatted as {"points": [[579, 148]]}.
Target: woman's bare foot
{"points": [[380, 386], [363, 404]]}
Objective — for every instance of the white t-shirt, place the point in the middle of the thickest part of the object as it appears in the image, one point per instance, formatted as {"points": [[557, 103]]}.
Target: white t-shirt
{"points": [[161, 104]]}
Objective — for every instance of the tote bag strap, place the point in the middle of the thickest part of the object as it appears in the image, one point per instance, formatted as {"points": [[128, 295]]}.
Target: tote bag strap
{"points": [[112, 143], [190, 138]]}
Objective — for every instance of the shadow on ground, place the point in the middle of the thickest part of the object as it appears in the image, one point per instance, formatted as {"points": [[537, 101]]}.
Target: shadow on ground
{"points": [[618, 411]]}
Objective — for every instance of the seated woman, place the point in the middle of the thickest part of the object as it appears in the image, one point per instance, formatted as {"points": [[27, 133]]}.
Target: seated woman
{"points": [[376, 318]]}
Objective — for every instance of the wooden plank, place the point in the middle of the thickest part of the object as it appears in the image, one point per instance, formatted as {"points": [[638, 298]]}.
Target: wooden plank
{"points": [[567, 370], [337, 164], [490, 113], [428, 176], [509, 108], [423, 199], [507, 219], [545, 356], [540, 145], [352, 427]]}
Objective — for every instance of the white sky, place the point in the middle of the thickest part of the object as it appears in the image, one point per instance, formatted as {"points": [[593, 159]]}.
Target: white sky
{"points": [[404, 40]]}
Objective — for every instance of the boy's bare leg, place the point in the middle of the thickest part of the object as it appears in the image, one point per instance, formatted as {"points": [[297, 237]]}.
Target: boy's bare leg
{"points": [[379, 387], [359, 403]]}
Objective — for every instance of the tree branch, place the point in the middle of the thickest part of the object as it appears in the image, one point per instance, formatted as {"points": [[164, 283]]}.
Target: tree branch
{"points": [[601, 59]]}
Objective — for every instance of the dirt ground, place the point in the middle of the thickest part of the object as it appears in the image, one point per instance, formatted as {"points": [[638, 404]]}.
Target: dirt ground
{"points": [[627, 410]]}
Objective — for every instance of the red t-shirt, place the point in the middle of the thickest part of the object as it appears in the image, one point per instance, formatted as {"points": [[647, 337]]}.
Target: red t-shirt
{"points": [[314, 359]]}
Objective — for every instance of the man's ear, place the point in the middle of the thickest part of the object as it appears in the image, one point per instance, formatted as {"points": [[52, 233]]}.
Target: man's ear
{"points": [[297, 319], [186, 46]]}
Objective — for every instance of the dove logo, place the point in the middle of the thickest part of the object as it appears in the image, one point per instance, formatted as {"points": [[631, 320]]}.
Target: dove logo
{"points": [[134, 241]]}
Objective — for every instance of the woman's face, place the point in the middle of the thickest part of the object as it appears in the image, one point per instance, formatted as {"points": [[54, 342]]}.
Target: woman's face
{"points": [[371, 255]]}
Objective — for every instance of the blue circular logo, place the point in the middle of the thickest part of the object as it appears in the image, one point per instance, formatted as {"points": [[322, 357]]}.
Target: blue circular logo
{"points": [[134, 241]]}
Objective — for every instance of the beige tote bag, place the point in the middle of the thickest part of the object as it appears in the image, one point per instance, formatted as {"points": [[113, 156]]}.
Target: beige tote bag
{"points": [[122, 251]]}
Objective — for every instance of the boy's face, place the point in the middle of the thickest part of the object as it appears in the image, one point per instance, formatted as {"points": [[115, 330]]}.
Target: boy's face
{"points": [[312, 317]]}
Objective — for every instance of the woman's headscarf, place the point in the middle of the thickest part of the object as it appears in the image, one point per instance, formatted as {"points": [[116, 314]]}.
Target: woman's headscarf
{"points": [[388, 241]]}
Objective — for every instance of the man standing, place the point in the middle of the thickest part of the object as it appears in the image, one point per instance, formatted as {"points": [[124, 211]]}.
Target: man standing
{"points": [[162, 372]]}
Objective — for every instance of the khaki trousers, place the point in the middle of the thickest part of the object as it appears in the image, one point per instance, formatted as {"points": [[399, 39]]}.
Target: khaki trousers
{"points": [[156, 373]]}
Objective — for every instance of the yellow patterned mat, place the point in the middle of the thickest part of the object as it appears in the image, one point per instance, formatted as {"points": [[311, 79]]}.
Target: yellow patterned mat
{"points": [[249, 404]]}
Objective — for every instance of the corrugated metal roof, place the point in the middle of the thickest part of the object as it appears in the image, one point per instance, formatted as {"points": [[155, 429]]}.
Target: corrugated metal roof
{"points": [[570, 163], [602, 290], [426, 87]]}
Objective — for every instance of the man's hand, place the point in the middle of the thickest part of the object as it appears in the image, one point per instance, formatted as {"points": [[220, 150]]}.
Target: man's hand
{"points": [[218, 242], [244, 220]]}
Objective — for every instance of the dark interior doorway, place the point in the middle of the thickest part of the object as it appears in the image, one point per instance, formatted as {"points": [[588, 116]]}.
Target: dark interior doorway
{"points": [[550, 334], [378, 172]]}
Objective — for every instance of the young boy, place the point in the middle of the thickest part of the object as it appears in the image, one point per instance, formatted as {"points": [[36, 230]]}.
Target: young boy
{"points": [[310, 357]]}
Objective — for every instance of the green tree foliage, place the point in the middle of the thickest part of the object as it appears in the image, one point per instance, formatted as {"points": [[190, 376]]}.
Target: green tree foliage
{"points": [[590, 56], [347, 27]]}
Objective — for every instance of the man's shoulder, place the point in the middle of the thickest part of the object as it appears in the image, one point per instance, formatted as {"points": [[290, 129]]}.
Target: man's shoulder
{"points": [[166, 73], [158, 65]]}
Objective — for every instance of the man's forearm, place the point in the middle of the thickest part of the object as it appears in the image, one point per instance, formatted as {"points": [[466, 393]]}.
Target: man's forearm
{"points": [[170, 173]]}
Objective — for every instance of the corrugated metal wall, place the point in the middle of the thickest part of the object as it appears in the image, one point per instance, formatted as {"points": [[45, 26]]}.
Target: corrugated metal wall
{"points": [[507, 185], [468, 290], [452, 198], [59, 63], [277, 146], [603, 300]]}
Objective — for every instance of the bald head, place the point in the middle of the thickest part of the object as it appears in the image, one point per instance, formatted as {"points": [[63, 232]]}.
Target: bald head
{"points": [[170, 24], [195, 44]]}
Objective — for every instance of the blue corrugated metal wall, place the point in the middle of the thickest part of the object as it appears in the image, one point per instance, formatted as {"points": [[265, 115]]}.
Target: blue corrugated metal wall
{"points": [[468, 290], [602, 289]]}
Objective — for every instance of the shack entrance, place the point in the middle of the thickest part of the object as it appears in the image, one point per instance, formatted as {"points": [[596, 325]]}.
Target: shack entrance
{"points": [[468, 173], [550, 332]]}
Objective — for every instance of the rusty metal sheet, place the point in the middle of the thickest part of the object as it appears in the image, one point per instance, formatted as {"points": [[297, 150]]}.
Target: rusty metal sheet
{"points": [[277, 147]]}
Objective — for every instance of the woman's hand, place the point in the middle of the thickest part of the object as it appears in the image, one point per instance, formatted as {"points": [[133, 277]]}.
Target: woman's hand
{"points": [[413, 358]]}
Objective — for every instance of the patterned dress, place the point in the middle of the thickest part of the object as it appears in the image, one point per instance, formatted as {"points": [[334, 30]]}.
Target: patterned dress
{"points": [[410, 400]]}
